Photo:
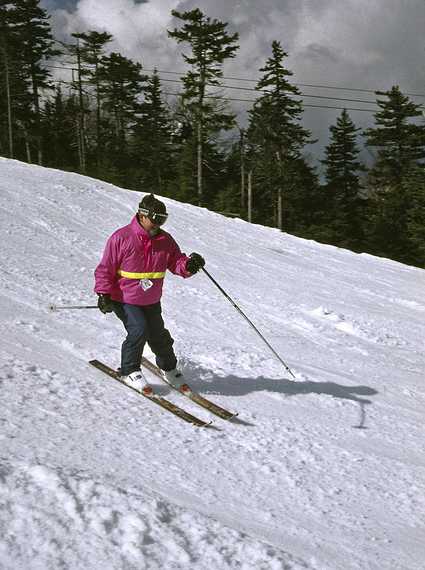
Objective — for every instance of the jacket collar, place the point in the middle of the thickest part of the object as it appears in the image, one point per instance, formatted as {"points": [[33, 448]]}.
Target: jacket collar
{"points": [[140, 231]]}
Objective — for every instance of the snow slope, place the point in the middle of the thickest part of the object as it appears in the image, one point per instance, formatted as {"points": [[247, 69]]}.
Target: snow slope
{"points": [[327, 472]]}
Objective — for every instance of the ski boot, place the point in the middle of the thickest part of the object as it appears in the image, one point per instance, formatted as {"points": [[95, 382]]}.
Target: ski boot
{"points": [[137, 381]]}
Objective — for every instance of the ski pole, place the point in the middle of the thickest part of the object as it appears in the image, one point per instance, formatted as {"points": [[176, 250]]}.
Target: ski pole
{"points": [[249, 321], [62, 307]]}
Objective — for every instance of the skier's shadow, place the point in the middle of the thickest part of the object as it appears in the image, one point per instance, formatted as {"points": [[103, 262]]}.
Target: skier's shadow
{"points": [[237, 386]]}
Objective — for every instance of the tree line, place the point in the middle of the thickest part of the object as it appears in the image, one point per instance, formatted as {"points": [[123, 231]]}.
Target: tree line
{"points": [[114, 122]]}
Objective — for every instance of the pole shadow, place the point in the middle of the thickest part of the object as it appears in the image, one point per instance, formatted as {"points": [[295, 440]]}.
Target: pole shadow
{"points": [[237, 386]]}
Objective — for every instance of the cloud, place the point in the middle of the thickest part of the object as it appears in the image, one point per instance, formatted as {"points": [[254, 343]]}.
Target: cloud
{"points": [[139, 28], [369, 44]]}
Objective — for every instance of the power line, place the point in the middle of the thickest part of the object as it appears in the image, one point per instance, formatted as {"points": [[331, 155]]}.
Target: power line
{"points": [[235, 87], [301, 95], [307, 95], [315, 86], [254, 100], [61, 67], [223, 98], [245, 79]]}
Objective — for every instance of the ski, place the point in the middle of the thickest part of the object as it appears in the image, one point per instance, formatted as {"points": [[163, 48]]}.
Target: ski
{"points": [[187, 391], [150, 395]]}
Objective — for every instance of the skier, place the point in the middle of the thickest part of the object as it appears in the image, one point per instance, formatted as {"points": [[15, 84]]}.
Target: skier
{"points": [[129, 280]]}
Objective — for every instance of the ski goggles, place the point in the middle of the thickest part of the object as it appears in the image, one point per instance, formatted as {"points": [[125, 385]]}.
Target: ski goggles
{"points": [[154, 217]]}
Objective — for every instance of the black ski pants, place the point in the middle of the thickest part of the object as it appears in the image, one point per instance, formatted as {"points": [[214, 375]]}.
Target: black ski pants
{"points": [[144, 324]]}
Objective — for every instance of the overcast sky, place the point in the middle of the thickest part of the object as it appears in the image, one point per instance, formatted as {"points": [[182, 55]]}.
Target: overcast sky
{"points": [[360, 44]]}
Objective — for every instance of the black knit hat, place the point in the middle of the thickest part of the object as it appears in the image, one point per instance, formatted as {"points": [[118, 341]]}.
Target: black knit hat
{"points": [[154, 209], [152, 204]]}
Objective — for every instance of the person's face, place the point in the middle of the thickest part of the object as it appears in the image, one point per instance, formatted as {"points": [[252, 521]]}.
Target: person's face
{"points": [[148, 225]]}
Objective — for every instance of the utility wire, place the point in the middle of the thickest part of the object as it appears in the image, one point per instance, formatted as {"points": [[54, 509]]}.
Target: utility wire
{"points": [[302, 95], [266, 91], [235, 87], [254, 100], [244, 79], [315, 86], [71, 84], [223, 98]]}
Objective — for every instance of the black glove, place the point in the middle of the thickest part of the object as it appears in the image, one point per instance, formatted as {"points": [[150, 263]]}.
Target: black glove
{"points": [[194, 263], [105, 303]]}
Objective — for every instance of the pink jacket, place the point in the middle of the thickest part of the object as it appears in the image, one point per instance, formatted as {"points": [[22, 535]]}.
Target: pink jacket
{"points": [[133, 265]]}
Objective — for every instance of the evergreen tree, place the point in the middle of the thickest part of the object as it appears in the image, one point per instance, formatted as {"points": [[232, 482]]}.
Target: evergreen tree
{"points": [[83, 107], [211, 45], [33, 33], [414, 187], [153, 141], [60, 132], [91, 51], [25, 44], [274, 135], [120, 85], [344, 202], [399, 140], [303, 212], [228, 199], [6, 104], [184, 145]]}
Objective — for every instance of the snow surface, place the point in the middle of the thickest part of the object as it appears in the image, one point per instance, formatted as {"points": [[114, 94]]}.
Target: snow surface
{"points": [[327, 472]]}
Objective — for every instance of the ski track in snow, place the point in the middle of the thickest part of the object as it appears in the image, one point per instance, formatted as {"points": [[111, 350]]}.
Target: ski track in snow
{"points": [[325, 473]]}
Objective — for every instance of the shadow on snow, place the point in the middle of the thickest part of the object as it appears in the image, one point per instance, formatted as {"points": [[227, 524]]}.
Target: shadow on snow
{"points": [[237, 386]]}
